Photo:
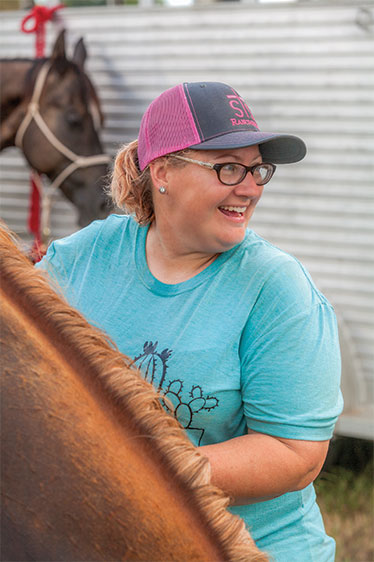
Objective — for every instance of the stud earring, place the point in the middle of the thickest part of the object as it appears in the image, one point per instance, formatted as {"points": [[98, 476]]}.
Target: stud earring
{"points": [[162, 189]]}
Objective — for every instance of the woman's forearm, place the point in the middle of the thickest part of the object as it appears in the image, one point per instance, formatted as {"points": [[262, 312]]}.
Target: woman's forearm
{"points": [[257, 467]]}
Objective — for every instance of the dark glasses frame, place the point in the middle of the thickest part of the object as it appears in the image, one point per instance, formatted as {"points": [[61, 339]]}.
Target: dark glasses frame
{"points": [[218, 167]]}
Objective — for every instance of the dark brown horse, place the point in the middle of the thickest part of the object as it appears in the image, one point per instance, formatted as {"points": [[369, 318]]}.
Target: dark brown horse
{"points": [[93, 468], [49, 108]]}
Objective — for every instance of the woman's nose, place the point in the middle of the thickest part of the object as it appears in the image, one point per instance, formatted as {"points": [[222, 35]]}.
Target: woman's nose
{"points": [[248, 187]]}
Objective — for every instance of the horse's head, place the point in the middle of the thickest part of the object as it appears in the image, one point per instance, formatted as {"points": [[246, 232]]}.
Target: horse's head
{"points": [[70, 108]]}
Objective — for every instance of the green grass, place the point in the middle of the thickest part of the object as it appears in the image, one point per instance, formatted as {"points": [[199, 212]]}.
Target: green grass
{"points": [[346, 499]]}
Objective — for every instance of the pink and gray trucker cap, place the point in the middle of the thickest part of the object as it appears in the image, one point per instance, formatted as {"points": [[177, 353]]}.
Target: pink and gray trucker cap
{"points": [[208, 116]]}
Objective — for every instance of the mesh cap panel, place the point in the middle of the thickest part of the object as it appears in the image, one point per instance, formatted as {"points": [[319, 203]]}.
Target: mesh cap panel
{"points": [[167, 126]]}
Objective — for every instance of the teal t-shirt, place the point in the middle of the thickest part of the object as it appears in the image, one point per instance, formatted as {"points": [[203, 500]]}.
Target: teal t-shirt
{"points": [[247, 343]]}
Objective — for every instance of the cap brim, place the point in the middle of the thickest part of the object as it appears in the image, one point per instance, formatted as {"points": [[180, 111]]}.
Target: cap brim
{"points": [[277, 148]]}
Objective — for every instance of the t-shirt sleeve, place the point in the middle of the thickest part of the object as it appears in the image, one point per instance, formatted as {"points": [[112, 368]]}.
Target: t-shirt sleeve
{"points": [[290, 359], [63, 258]]}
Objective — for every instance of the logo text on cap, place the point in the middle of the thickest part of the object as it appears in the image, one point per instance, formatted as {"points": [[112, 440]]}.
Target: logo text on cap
{"points": [[241, 110]]}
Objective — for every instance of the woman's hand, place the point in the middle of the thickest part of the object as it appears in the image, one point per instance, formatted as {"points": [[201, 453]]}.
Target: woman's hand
{"points": [[258, 467]]}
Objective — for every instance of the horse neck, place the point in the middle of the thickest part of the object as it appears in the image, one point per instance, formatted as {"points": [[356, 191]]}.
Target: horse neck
{"points": [[17, 78]]}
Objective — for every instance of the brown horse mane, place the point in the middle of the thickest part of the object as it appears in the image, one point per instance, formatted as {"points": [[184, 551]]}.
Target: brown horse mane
{"points": [[95, 358]]}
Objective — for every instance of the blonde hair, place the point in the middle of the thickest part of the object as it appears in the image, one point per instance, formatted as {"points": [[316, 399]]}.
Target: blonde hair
{"points": [[131, 188]]}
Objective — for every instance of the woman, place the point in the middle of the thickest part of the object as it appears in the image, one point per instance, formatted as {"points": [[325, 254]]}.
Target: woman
{"points": [[230, 328]]}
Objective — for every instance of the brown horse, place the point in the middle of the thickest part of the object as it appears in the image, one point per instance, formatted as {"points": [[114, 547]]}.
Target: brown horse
{"points": [[93, 468], [49, 109]]}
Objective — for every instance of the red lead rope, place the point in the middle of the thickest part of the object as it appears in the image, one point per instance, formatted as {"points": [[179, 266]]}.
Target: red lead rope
{"points": [[41, 15]]}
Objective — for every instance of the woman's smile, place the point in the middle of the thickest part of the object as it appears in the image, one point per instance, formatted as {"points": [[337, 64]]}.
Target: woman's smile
{"points": [[233, 213]]}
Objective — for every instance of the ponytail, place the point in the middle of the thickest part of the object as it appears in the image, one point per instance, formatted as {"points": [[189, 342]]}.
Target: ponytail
{"points": [[131, 189]]}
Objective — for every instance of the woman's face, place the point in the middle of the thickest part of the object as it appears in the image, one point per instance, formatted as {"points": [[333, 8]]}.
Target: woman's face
{"points": [[198, 214]]}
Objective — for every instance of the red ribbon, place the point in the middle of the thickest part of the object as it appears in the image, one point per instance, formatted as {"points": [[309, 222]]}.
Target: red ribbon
{"points": [[41, 15]]}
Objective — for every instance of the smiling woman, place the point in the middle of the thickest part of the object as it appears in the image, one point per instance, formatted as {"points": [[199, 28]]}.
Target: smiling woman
{"points": [[229, 328], [209, 216]]}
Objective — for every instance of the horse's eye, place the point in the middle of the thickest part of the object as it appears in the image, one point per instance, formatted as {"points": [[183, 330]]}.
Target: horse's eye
{"points": [[74, 118]]}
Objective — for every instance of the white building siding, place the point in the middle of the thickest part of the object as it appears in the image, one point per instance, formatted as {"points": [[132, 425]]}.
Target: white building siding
{"points": [[304, 68]]}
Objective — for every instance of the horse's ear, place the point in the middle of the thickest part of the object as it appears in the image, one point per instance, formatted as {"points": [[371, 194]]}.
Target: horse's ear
{"points": [[58, 51], [80, 53]]}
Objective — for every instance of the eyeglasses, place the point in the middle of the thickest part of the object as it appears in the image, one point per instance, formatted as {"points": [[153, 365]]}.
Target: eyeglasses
{"points": [[232, 173]]}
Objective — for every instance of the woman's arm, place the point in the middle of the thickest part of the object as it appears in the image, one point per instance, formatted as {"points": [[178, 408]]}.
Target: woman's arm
{"points": [[257, 467]]}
